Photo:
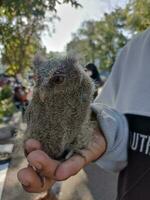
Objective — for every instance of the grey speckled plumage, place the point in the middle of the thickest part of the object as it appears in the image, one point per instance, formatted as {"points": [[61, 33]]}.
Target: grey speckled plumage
{"points": [[59, 112]]}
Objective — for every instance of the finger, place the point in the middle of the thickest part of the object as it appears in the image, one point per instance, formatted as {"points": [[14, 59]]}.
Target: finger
{"points": [[69, 168], [31, 145], [31, 182], [73, 165], [43, 163]]}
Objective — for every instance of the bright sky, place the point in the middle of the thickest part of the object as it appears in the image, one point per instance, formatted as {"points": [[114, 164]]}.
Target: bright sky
{"points": [[71, 20]]}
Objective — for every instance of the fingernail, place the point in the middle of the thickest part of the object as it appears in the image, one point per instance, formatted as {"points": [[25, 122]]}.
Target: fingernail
{"points": [[24, 183], [38, 166], [55, 177]]}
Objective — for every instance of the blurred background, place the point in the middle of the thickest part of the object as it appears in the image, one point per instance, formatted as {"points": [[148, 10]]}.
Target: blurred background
{"points": [[92, 30]]}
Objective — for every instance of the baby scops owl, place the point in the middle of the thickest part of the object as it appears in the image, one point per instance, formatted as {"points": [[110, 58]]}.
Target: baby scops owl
{"points": [[59, 112]]}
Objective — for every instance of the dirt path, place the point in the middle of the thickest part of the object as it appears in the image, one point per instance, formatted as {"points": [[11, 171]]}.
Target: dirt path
{"points": [[12, 188]]}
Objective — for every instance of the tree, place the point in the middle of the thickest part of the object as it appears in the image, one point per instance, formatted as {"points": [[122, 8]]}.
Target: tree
{"points": [[138, 17], [19, 44], [110, 37], [21, 23], [100, 39], [79, 48]]}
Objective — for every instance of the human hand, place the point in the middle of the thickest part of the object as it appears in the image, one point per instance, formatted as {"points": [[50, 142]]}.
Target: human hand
{"points": [[43, 171]]}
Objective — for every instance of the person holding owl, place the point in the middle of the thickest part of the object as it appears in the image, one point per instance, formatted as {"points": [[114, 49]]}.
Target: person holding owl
{"points": [[122, 141]]}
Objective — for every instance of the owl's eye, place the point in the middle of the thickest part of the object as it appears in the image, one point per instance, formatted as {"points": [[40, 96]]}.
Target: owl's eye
{"points": [[58, 79]]}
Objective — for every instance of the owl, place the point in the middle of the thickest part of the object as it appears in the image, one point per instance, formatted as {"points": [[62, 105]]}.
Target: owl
{"points": [[59, 113]]}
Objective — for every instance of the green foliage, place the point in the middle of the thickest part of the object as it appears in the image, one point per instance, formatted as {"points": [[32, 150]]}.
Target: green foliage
{"points": [[53, 54], [138, 15], [5, 93], [21, 24], [74, 3], [32, 8], [80, 48], [102, 39], [110, 37], [18, 48], [7, 108]]}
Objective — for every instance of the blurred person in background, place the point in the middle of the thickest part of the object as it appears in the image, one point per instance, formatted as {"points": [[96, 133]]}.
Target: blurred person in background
{"points": [[20, 98], [92, 71]]}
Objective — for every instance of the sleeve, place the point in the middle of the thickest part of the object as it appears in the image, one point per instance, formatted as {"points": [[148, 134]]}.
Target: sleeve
{"points": [[115, 129], [113, 123]]}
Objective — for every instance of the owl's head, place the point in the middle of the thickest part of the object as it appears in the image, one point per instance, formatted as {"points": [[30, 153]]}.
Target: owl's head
{"points": [[58, 76]]}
